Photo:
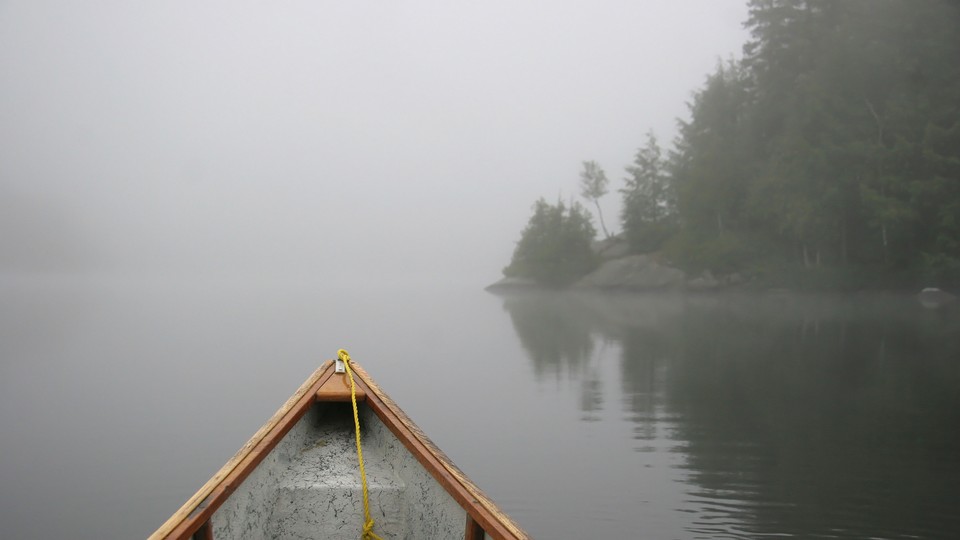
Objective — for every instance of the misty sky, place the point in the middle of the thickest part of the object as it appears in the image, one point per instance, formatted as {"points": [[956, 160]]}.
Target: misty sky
{"points": [[316, 138]]}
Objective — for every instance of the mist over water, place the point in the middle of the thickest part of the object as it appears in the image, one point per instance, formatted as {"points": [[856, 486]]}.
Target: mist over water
{"points": [[783, 415], [201, 202], [671, 417], [118, 400], [317, 140]]}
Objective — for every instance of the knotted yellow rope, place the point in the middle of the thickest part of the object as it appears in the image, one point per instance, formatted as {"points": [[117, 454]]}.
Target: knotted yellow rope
{"points": [[367, 533]]}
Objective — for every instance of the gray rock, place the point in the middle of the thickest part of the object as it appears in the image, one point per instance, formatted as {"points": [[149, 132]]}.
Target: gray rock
{"points": [[513, 284], [641, 272], [735, 279], [933, 298], [611, 248], [705, 281]]}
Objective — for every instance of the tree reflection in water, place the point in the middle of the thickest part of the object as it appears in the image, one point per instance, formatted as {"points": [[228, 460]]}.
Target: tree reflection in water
{"points": [[796, 415], [559, 342]]}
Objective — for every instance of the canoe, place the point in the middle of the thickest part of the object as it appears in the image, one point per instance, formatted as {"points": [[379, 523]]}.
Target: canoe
{"points": [[299, 475]]}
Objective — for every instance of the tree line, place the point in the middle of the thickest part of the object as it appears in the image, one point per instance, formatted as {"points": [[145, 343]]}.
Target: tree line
{"points": [[828, 155]]}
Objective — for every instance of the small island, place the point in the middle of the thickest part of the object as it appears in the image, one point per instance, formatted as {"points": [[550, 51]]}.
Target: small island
{"points": [[830, 165]]}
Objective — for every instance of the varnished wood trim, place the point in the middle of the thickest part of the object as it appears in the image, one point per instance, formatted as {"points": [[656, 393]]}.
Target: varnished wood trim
{"points": [[486, 517], [473, 530], [337, 388], [497, 524], [198, 509], [205, 532]]}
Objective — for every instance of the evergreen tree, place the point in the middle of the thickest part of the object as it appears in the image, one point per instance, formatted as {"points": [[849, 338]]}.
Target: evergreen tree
{"points": [[833, 146], [648, 202], [834, 140], [554, 248]]}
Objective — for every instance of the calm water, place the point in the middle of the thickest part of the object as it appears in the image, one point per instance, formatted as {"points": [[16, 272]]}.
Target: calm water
{"points": [[584, 417]]}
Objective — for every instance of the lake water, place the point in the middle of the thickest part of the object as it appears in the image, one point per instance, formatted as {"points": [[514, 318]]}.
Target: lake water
{"points": [[582, 416]]}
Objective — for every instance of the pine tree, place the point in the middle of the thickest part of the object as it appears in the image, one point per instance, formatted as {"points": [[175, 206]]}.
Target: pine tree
{"points": [[554, 248], [648, 202]]}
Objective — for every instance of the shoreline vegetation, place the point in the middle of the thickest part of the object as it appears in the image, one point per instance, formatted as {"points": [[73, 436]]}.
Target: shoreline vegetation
{"points": [[827, 158], [618, 271]]}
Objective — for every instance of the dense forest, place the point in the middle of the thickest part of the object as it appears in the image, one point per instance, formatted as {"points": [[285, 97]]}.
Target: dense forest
{"points": [[827, 156]]}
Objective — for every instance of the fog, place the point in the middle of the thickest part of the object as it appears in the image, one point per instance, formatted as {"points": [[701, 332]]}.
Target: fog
{"points": [[324, 140], [355, 173]]}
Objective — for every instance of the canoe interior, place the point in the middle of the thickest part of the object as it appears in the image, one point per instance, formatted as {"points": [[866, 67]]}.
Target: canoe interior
{"points": [[298, 477], [309, 486]]}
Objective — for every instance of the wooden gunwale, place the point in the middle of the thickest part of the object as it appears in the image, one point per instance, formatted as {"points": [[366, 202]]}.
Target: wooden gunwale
{"points": [[481, 511], [473, 530], [205, 532], [198, 509], [497, 524]]}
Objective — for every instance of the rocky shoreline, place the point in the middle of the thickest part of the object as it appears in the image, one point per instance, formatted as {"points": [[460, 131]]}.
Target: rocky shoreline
{"points": [[649, 273], [635, 273], [619, 270]]}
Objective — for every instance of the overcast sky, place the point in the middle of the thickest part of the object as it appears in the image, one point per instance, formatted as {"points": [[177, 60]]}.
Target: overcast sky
{"points": [[321, 138]]}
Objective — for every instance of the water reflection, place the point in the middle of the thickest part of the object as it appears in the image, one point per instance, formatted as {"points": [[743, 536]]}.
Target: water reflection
{"points": [[557, 339], [798, 416]]}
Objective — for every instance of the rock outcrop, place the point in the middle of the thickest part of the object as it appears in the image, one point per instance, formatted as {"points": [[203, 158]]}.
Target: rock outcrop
{"points": [[935, 298], [619, 270], [635, 272], [509, 284], [611, 248]]}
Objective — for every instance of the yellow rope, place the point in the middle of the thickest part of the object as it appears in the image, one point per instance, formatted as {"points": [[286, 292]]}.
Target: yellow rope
{"points": [[367, 533]]}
